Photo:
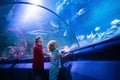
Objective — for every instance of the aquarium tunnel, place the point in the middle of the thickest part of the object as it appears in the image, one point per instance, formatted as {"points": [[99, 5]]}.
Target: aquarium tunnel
{"points": [[88, 29]]}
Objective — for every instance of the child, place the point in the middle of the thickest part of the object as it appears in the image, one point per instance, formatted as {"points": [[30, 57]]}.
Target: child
{"points": [[38, 58], [55, 64]]}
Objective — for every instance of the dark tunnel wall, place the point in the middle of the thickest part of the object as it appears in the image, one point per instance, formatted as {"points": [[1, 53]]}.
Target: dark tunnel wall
{"points": [[97, 62], [95, 70]]}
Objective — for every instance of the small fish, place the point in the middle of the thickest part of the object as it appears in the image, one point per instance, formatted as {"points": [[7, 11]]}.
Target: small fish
{"points": [[38, 32], [80, 12], [65, 33], [54, 25], [111, 31], [97, 28], [91, 35], [100, 34], [114, 26], [115, 21], [81, 37]]}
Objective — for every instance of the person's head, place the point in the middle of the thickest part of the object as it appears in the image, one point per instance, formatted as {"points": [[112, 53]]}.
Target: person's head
{"points": [[38, 40], [52, 45]]}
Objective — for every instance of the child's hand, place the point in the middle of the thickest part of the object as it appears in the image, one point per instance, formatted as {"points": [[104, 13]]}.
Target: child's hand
{"points": [[62, 52]]}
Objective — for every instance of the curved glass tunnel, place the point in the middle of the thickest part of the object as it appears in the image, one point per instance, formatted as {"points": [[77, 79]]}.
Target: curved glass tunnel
{"points": [[22, 22], [90, 28], [74, 23]]}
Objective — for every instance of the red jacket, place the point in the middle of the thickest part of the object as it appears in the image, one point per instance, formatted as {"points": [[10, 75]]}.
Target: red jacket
{"points": [[38, 58]]}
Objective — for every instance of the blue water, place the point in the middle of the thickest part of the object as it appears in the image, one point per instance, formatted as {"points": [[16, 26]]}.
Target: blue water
{"points": [[97, 13], [91, 20]]}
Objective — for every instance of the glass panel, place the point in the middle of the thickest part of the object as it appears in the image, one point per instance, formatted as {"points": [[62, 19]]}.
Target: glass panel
{"points": [[92, 21], [23, 22], [83, 23]]}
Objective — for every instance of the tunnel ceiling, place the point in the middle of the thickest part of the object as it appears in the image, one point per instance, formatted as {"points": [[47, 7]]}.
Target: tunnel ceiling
{"points": [[22, 21]]}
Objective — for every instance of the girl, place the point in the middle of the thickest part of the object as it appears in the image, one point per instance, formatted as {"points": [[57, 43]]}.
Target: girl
{"points": [[55, 64], [38, 58]]}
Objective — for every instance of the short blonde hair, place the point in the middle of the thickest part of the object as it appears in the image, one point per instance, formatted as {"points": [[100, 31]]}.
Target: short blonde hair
{"points": [[51, 45]]}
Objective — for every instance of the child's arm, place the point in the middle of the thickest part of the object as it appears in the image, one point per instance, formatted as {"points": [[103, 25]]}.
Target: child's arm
{"points": [[46, 54], [66, 51], [65, 54]]}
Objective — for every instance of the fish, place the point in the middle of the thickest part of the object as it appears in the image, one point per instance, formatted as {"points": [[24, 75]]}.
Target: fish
{"points": [[91, 35], [115, 21], [97, 28], [38, 32], [111, 31], [43, 32], [81, 37], [100, 35], [65, 33], [60, 5], [80, 12], [54, 24]]}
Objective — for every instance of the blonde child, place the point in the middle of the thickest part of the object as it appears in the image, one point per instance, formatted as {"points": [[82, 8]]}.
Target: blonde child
{"points": [[55, 64]]}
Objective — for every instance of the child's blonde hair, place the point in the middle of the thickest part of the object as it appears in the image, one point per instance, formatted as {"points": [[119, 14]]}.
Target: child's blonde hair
{"points": [[51, 45]]}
